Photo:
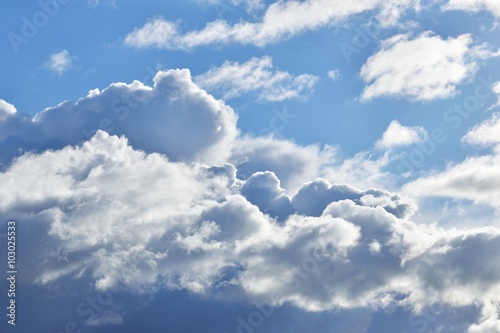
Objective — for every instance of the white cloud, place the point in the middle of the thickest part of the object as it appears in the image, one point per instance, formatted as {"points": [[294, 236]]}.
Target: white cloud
{"points": [[476, 179], [421, 69], [293, 164], [364, 169], [397, 135], [6, 109], [59, 62], [490, 322], [157, 32], [281, 20], [256, 75], [227, 216], [333, 74], [474, 6], [339, 247], [174, 117], [485, 134]]}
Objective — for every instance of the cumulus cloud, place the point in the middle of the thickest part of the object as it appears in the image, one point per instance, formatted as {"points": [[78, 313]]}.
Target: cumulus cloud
{"points": [[256, 76], [6, 109], [223, 215], [473, 6], [490, 321], [485, 134], [59, 62], [174, 117], [119, 217], [476, 179], [293, 164], [397, 135], [421, 69], [281, 20]]}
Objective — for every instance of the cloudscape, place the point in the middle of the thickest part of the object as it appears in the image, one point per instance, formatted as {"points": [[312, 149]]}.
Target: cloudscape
{"points": [[250, 166]]}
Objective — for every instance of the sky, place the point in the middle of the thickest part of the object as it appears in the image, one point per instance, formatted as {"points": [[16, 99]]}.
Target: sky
{"points": [[251, 166]]}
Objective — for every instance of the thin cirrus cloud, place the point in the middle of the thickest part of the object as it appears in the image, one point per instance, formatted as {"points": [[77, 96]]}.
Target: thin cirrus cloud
{"points": [[281, 20], [117, 213], [59, 62], [424, 68], [233, 79]]}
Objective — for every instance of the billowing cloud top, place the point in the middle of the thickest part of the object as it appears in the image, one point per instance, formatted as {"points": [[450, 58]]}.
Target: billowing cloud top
{"points": [[174, 117], [178, 200]]}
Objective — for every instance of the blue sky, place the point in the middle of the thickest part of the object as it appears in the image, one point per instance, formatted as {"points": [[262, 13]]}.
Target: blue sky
{"points": [[252, 166]]}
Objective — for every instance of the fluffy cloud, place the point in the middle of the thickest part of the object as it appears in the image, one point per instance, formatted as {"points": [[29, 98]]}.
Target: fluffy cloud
{"points": [[119, 217], [6, 110], [476, 179], [473, 6], [174, 117], [293, 164], [397, 135], [223, 215], [281, 20], [485, 134], [421, 69], [489, 320], [256, 75], [59, 62]]}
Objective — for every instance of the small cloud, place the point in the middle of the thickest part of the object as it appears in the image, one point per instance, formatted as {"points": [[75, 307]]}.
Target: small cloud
{"points": [[59, 62], [397, 135], [334, 74], [486, 133]]}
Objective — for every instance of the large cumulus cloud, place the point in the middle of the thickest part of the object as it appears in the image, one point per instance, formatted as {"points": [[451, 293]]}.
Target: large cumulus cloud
{"points": [[124, 218], [221, 215], [174, 117]]}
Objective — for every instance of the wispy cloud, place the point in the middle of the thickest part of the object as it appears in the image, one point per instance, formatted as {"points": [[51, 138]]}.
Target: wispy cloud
{"points": [[474, 6], [281, 20], [59, 62], [257, 75]]}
